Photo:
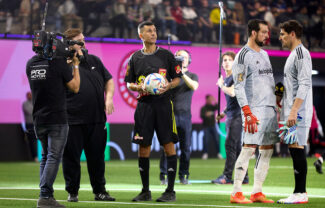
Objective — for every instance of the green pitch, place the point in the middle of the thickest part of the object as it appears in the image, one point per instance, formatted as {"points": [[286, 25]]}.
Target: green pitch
{"points": [[19, 185]]}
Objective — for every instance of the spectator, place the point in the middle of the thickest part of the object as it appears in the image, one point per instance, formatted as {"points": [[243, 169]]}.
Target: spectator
{"points": [[285, 16], [134, 15], [91, 11], [176, 10], [257, 12], [236, 20], [316, 26], [68, 12], [215, 19], [9, 9], [204, 22], [24, 13], [119, 20], [302, 18], [190, 18], [165, 19], [147, 11]]}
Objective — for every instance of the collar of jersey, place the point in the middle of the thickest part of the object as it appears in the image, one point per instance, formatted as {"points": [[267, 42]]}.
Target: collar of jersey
{"points": [[150, 53]]}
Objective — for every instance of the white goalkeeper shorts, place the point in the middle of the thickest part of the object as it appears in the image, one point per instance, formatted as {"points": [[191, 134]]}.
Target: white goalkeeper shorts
{"points": [[302, 135], [266, 134]]}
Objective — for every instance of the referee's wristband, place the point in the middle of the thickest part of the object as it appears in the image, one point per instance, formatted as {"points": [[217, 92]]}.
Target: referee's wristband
{"points": [[76, 66]]}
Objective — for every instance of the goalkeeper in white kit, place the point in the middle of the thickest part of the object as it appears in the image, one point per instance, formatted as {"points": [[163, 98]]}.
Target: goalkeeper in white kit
{"points": [[254, 88], [297, 105]]}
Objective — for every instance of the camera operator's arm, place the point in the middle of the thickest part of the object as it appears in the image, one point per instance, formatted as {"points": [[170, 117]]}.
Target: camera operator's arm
{"points": [[74, 84], [109, 92], [192, 84]]}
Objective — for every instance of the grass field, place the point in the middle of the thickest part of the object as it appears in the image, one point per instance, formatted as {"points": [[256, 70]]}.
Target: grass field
{"points": [[19, 185]]}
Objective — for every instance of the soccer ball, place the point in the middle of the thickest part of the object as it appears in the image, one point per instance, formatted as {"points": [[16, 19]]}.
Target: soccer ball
{"points": [[153, 82]]}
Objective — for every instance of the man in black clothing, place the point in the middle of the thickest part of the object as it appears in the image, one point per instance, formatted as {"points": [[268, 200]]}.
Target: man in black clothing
{"points": [[233, 122], [182, 99], [87, 122], [48, 80], [209, 125], [154, 112]]}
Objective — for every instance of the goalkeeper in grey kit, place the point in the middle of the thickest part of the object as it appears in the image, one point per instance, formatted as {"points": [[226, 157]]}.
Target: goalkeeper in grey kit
{"points": [[154, 112], [297, 99], [254, 88]]}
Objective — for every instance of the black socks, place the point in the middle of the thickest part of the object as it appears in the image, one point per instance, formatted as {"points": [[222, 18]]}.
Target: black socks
{"points": [[144, 172], [171, 172], [300, 169]]}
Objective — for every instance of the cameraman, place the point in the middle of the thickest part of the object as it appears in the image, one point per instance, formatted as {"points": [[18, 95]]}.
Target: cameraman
{"points": [[48, 80], [87, 122]]}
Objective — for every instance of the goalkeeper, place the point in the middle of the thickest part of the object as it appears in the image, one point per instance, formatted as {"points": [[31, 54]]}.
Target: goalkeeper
{"points": [[297, 99], [254, 88]]}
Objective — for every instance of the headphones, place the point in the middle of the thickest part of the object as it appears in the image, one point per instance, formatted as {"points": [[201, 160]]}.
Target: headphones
{"points": [[188, 53]]}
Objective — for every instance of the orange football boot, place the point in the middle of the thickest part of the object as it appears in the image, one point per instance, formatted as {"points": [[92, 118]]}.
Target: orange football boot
{"points": [[261, 198], [239, 198]]}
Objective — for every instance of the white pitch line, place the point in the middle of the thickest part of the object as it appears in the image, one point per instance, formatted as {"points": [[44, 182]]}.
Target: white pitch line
{"points": [[159, 190], [147, 204]]}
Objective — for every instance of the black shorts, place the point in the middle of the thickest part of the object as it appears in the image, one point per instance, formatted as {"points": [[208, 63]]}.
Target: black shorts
{"points": [[156, 116]]}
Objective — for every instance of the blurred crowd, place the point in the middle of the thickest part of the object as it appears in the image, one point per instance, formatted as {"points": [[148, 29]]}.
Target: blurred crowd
{"points": [[194, 20]]}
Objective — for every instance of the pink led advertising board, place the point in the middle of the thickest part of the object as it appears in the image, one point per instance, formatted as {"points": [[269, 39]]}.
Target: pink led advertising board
{"points": [[14, 84]]}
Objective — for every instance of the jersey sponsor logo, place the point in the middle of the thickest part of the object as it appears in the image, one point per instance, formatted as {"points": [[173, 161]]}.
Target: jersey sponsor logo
{"points": [[265, 71], [38, 74], [163, 72], [178, 69], [128, 96]]}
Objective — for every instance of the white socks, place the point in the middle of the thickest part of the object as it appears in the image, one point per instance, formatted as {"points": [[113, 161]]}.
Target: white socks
{"points": [[241, 167], [261, 169]]}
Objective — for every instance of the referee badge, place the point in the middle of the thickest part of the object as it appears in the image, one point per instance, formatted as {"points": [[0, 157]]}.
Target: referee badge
{"points": [[177, 69], [162, 72]]}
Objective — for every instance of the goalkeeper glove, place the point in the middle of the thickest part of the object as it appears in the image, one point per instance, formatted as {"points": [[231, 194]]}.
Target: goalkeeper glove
{"points": [[250, 120], [289, 133]]}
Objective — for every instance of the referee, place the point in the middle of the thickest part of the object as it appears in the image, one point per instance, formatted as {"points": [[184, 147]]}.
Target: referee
{"points": [[86, 114], [154, 112]]}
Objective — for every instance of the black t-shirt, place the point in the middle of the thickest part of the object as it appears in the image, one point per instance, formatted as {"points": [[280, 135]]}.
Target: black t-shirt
{"points": [[161, 61], [210, 120], [233, 108], [88, 105], [182, 96], [47, 80]]}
